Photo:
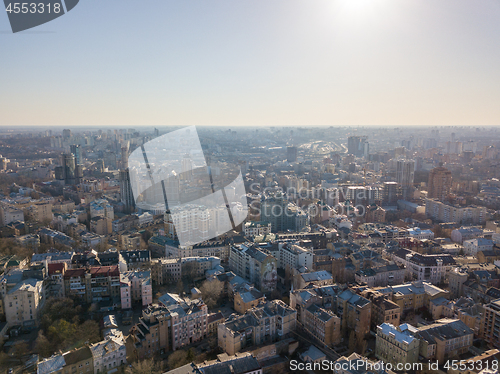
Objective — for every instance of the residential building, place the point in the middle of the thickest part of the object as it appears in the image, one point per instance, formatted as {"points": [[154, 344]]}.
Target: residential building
{"points": [[445, 212], [316, 278], [166, 271], [77, 361], [101, 208], [170, 325], [252, 228], [384, 310], [94, 284], [135, 287], [255, 265], [323, 324], [439, 184], [413, 296], [293, 256], [491, 328], [397, 344], [355, 312], [264, 324], [380, 276], [109, 353], [444, 339], [473, 246], [428, 268], [23, 303], [247, 297]]}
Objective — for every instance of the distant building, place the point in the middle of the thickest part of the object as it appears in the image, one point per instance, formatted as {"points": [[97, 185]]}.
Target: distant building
{"points": [[405, 172], [291, 154], [443, 212], [252, 228], [439, 184], [473, 246]]}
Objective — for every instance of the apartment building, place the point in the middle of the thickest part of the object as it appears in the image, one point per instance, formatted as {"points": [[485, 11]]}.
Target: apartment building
{"points": [[293, 256], [444, 212], [491, 328], [397, 344], [95, 284], [135, 287], [316, 278], [324, 296], [166, 271], [23, 302], [428, 268], [473, 246], [9, 214], [109, 353], [444, 339], [255, 265], [264, 324], [188, 319], [196, 267], [77, 361], [252, 228], [247, 297], [101, 208], [413, 296], [384, 310], [323, 324], [381, 275], [355, 312]]}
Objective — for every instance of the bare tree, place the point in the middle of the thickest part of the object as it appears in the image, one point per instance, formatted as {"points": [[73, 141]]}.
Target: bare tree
{"points": [[211, 291], [148, 366]]}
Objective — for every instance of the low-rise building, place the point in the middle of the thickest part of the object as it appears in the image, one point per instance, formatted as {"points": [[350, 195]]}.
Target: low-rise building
{"points": [[316, 278], [135, 287], [397, 344], [444, 339], [247, 297], [23, 303], [323, 324], [264, 324]]}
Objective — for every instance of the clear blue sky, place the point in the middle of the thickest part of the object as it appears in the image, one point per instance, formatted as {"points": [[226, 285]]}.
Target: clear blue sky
{"points": [[259, 62]]}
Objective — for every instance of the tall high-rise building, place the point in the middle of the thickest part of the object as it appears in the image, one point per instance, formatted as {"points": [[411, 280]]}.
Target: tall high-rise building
{"points": [[126, 194], [69, 171], [358, 146], [76, 150], [124, 157], [439, 185], [405, 175], [291, 154]]}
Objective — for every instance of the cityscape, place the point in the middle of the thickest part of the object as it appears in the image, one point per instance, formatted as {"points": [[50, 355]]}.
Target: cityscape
{"points": [[250, 187], [351, 250]]}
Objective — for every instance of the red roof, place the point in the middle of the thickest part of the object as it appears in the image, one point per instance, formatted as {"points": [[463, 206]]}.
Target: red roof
{"points": [[72, 273], [105, 271], [57, 268]]}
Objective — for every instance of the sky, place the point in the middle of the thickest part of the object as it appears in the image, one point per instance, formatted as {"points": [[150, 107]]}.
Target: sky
{"points": [[255, 63]]}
